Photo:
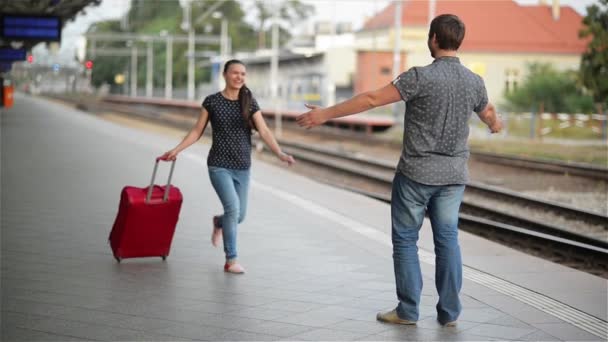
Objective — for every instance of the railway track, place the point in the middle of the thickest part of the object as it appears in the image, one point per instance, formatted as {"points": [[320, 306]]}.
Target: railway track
{"points": [[551, 166], [571, 220], [580, 239], [570, 236]]}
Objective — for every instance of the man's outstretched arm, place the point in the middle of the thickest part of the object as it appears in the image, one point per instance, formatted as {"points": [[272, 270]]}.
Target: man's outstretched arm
{"points": [[357, 104]]}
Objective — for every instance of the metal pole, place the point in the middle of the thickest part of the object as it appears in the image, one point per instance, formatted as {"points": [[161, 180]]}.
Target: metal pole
{"points": [[169, 69], [125, 86], [190, 53], [274, 72], [191, 64], [149, 70], [397, 53], [603, 116], [133, 70], [431, 11], [224, 39], [375, 58], [532, 124], [89, 78], [67, 83]]}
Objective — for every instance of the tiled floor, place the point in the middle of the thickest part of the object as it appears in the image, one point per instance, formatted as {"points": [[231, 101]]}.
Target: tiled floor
{"points": [[308, 278]]}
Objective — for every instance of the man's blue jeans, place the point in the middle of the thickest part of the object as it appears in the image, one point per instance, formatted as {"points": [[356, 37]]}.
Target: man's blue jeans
{"points": [[409, 202], [231, 187]]}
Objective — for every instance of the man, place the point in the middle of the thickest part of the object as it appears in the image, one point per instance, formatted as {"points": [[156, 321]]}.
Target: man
{"points": [[432, 171]]}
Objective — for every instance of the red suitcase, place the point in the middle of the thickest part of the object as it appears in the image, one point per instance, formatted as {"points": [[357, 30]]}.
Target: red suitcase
{"points": [[146, 220]]}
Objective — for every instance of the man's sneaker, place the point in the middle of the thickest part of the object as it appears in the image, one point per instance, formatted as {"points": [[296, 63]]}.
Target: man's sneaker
{"points": [[234, 268], [450, 324], [391, 317], [216, 235]]}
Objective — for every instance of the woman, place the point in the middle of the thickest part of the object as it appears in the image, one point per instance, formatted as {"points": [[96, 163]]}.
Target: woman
{"points": [[233, 112]]}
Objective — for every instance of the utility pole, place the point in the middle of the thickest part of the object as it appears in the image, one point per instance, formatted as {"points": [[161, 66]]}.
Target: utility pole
{"points": [[190, 51], [150, 70], [191, 38], [224, 39], [274, 72], [169, 69], [93, 48], [397, 53], [133, 70]]}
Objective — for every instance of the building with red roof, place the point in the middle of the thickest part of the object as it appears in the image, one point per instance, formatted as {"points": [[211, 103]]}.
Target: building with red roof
{"points": [[501, 37]]}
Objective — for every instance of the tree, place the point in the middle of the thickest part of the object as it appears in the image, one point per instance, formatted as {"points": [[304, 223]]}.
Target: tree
{"points": [[290, 12], [154, 16], [594, 62], [557, 91], [241, 33], [142, 12]]}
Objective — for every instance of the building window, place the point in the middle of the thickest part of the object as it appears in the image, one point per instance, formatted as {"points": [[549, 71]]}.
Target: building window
{"points": [[511, 78]]}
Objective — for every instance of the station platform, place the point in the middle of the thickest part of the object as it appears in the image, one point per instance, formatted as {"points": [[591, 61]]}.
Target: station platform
{"points": [[363, 122], [318, 259]]}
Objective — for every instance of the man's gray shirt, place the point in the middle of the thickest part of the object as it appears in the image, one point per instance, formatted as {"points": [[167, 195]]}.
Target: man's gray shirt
{"points": [[440, 99]]}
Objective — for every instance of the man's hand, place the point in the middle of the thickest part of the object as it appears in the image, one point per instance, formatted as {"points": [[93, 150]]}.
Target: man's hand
{"points": [[497, 126], [312, 118]]}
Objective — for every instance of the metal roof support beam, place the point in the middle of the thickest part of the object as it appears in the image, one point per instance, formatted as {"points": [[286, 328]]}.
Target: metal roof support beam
{"points": [[206, 39], [112, 52]]}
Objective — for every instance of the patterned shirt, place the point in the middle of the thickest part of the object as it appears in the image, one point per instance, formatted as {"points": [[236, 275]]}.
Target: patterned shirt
{"points": [[231, 136], [440, 99]]}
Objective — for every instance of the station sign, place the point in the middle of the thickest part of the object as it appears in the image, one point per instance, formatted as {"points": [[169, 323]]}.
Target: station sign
{"points": [[11, 55], [25, 27]]}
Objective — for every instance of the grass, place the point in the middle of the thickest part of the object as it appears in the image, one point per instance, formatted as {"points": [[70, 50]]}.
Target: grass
{"points": [[590, 154], [570, 150]]}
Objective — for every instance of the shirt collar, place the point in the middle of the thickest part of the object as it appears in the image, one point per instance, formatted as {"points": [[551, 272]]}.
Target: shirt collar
{"points": [[449, 59]]}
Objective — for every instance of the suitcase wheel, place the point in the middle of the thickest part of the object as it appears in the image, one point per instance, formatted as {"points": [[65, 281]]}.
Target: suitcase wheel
{"points": [[117, 259], [164, 257]]}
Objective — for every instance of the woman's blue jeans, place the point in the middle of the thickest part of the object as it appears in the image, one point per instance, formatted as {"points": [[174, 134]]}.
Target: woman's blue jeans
{"points": [[231, 187], [409, 202]]}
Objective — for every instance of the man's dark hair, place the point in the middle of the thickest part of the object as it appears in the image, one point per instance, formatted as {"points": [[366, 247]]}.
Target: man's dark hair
{"points": [[448, 30]]}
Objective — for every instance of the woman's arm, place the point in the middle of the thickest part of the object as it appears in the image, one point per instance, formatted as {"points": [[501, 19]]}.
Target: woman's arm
{"points": [[269, 139], [193, 136]]}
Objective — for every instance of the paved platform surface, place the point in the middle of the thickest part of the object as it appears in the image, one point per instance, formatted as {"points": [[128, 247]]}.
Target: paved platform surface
{"points": [[318, 259]]}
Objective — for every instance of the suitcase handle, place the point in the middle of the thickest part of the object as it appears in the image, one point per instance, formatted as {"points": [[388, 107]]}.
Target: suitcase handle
{"points": [[167, 188]]}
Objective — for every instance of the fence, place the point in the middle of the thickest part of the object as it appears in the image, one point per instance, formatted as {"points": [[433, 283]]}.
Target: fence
{"points": [[555, 125]]}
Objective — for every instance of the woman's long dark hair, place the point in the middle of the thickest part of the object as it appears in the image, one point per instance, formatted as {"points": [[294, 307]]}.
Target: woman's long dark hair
{"points": [[245, 97]]}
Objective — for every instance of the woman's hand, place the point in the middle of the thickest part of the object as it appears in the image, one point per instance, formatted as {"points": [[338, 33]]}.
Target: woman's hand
{"points": [[169, 155], [287, 158]]}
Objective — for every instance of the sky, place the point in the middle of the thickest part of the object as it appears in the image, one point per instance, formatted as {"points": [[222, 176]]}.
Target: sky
{"points": [[355, 11]]}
